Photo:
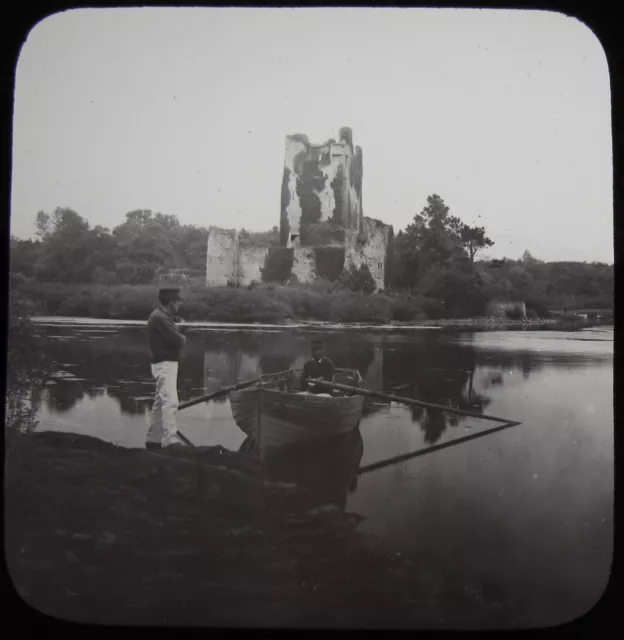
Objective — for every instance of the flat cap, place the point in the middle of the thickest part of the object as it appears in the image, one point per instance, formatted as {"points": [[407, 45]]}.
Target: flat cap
{"points": [[170, 293]]}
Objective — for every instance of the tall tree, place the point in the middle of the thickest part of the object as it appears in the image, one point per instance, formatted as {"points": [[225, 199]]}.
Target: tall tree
{"points": [[522, 282], [65, 250], [43, 223], [146, 244], [102, 254], [68, 250], [473, 239], [406, 264], [528, 259], [191, 244], [432, 241], [426, 242], [24, 255]]}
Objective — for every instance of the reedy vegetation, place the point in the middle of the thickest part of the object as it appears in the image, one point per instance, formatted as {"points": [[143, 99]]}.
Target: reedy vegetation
{"points": [[433, 272], [27, 367]]}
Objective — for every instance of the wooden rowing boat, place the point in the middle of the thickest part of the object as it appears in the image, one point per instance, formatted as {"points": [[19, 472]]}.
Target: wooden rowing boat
{"points": [[276, 414]]}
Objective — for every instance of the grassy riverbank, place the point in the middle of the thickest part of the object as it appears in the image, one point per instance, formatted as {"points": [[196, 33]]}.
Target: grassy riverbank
{"points": [[100, 534], [263, 304]]}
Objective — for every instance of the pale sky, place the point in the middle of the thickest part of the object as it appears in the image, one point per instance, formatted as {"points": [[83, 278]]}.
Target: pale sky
{"points": [[504, 114]]}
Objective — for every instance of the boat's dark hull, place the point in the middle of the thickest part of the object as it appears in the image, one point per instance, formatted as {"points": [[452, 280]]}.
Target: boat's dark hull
{"points": [[278, 419]]}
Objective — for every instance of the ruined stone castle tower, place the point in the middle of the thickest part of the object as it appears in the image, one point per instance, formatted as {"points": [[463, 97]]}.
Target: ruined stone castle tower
{"points": [[321, 184], [322, 226]]}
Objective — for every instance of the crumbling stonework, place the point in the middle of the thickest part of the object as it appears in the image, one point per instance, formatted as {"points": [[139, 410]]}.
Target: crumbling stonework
{"points": [[370, 248], [304, 268], [500, 308], [229, 263], [222, 256], [251, 260], [322, 183], [172, 278], [321, 206]]}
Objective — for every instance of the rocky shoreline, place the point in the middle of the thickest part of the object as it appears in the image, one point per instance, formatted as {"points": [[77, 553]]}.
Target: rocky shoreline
{"points": [[101, 534]]}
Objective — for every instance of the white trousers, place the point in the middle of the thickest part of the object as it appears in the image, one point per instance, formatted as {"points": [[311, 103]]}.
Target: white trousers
{"points": [[162, 420]]}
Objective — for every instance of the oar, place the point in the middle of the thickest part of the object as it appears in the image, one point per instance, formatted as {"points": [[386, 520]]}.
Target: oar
{"points": [[210, 396], [417, 403], [184, 438], [436, 447], [220, 392]]}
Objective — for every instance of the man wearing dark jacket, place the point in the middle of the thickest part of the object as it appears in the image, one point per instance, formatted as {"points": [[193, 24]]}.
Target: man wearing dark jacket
{"points": [[166, 343], [318, 367]]}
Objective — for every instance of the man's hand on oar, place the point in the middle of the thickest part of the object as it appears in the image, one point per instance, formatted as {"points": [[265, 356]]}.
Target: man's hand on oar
{"points": [[312, 382]]}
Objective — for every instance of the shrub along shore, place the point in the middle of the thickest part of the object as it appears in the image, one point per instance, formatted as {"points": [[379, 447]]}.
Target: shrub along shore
{"points": [[260, 304]]}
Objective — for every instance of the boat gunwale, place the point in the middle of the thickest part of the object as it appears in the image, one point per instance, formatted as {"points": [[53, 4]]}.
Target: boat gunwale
{"points": [[301, 397], [267, 380]]}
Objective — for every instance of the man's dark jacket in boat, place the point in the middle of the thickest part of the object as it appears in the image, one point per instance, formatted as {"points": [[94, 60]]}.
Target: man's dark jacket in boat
{"points": [[165, 340], [322, 368]]}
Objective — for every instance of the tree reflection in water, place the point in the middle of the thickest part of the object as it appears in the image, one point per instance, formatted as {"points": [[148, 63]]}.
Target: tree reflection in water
{"points": [[63, 396], [438, 372], [430, 366], [95, 392]]}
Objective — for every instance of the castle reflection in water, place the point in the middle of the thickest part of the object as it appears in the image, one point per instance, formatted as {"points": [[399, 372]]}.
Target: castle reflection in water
{"points": [[224, 367], [428, 366]]}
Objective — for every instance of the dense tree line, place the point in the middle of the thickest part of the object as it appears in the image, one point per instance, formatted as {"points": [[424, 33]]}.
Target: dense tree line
{"points": [[435, 258], [68, 250]]}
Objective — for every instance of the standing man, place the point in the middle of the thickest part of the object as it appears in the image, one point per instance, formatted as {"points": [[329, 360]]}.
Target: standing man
{"points": [[166, 343], [318, 367]]}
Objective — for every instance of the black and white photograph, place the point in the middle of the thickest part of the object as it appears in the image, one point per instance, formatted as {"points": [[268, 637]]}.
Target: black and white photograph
{"points": [[311, 319]]}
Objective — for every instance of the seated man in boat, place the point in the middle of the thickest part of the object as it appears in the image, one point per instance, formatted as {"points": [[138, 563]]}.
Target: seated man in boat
{"points": [[319, 366]]}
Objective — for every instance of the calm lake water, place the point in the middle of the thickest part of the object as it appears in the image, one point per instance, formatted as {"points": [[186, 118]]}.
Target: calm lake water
{"points": [[526, 512]]}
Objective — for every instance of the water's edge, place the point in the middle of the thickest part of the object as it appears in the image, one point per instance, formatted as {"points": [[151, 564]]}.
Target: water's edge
{"points": [[471, 324]]}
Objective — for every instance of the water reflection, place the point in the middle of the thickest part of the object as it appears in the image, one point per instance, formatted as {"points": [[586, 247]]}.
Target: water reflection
{"points": [[436, 372], [328, 470], [437, 368], [458, 393], [63, 396], [466, 507]]}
